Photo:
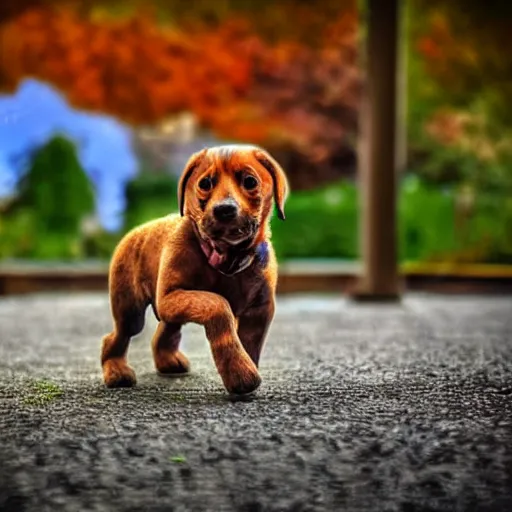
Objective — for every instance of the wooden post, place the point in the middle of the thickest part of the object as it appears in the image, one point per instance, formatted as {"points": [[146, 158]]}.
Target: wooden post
{"points": [[379, 148]]}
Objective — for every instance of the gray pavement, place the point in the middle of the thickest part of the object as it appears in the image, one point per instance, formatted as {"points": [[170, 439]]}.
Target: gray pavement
{"points": [[369, 408]]}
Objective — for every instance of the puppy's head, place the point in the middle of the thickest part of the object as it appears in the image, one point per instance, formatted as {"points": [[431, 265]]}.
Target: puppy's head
{"points": [[228, 192]]}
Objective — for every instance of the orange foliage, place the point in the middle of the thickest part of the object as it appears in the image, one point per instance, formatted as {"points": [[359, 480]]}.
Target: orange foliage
{"points": [[235, 83], [128, 68], [448, 127], [453, 56]]}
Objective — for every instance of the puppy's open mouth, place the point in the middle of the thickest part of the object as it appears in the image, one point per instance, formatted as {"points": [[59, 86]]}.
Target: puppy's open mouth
{"points": [[228, 252], [215, 254], [218, 251]]}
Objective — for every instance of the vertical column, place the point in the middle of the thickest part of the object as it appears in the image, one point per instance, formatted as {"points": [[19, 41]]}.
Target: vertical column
{"points": [[379, 149]]}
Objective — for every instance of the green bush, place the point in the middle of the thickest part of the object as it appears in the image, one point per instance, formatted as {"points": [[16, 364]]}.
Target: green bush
{"points": [[491, 230], [45, 220], [426, 217], [57, 188], [150, 196], [322, 223], [17, 234]]}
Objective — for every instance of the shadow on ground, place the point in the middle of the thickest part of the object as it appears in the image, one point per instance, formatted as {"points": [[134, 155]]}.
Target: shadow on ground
{"points": [[393, 408]]}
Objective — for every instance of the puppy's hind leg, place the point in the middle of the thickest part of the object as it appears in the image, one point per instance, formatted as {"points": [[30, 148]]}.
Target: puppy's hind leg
{"points": [[129, 317], [169, 361]]}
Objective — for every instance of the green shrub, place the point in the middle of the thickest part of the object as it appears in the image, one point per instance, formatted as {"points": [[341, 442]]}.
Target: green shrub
{"points": [[426, 216], [491, 229], [55, 196], [17, 234], [57, 188], [322, 223], [150, 196]]}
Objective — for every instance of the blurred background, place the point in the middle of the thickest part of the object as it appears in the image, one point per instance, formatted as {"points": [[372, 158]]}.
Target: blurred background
{"points": [[102, 102]]}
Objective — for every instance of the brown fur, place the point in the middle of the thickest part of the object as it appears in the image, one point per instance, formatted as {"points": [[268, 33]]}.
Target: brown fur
{"points": [[161, 264]]}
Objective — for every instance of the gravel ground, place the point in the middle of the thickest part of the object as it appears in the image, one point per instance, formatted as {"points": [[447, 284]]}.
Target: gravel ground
{"points": [[370, 408]]}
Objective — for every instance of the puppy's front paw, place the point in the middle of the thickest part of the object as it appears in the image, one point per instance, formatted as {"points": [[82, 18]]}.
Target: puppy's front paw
{"points": [[173, 364], [117, 374], [243, 378]]}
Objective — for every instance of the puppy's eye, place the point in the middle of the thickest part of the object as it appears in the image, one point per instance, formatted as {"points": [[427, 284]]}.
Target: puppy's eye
{"points": [[206, 184], [250, 182]]}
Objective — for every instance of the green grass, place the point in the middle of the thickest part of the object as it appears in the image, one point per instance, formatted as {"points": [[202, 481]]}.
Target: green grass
{"points": [[42, 392], [178, 459]]}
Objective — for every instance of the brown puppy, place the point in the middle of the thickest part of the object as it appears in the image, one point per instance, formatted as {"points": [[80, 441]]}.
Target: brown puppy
{"points": [[212, 264]]}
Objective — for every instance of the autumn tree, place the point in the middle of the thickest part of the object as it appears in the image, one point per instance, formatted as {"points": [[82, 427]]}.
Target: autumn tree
{"points": [[459, 95], [299, 99]]}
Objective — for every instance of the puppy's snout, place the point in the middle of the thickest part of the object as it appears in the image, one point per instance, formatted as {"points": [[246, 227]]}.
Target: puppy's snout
{"points": [[225, 211]]}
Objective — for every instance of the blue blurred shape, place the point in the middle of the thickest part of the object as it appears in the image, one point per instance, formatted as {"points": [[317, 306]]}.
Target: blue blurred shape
{"points": [[36, 113]]}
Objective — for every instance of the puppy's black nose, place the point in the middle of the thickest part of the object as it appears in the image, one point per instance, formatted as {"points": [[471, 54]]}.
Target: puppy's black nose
{"points": [[225, 211]]}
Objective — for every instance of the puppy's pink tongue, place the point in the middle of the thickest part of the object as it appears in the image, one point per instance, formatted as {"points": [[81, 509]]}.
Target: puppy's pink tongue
{"points": [[215, 258]]}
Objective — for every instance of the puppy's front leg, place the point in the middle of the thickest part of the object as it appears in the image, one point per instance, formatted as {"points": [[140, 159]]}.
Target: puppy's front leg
{"points": [[238, 372], [253, 328]]}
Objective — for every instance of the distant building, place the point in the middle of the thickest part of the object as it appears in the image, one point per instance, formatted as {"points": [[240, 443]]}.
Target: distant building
{"points": [[168, 146]]}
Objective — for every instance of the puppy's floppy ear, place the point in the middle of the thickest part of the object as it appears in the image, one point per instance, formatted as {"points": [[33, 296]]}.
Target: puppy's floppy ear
{"points": [[190, 167], [278, 178]]}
